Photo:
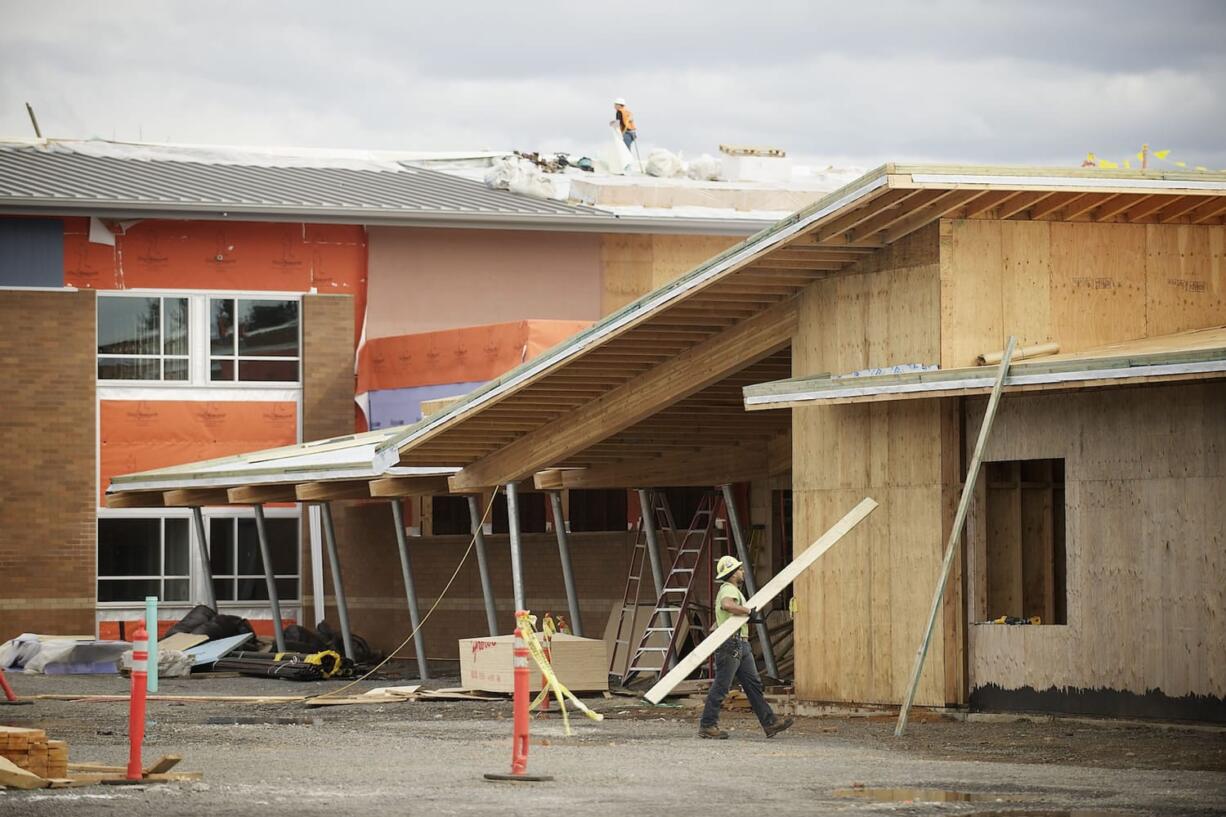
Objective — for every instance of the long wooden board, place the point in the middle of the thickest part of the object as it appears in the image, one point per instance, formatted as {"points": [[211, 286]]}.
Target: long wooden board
{"points": [[756, 602]]}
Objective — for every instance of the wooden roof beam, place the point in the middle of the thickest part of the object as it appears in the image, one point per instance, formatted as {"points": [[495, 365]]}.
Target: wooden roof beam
{"points": [[135, 499], [926, 215], [259, 494], [195, 497], [1021, 203], [408, 486], [1178, 210], [1208, 211], [1147, 208], [329, 490], [665, 385]]}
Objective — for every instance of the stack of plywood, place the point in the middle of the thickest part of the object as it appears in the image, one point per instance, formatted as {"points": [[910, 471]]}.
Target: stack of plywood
{"points": [[581, 664], [30, 749]]}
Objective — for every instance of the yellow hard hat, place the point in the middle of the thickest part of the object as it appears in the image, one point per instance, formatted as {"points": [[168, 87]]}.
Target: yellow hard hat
{"points": [[726, 566]]}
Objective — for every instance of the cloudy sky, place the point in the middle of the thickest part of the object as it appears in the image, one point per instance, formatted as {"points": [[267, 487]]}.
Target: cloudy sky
{"points": [[854, 83]]}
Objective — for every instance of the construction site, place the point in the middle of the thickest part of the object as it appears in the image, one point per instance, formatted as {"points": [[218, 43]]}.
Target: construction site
{"points": [[479, 482]]}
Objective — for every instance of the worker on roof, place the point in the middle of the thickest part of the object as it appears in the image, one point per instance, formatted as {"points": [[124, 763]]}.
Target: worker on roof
{"points": [[625, 122], [734, 658]]}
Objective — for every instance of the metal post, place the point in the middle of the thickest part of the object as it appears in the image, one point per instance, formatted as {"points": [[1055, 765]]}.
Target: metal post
{"points": [[266, 556], [338, 587], [517, 570], [751, 584], [568, 573], [410, 590], [202, 553], [487, 587], [653, 544]]}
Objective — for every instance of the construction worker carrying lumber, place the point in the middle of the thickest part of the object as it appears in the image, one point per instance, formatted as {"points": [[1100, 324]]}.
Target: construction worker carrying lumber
{"points": [[734, 658], [625, 122]]}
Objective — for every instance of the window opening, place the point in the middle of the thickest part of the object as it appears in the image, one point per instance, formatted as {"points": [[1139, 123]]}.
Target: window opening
{"points": [[1025, 548], [253, 340], [237, 566], [139, 557], [142, 338]]}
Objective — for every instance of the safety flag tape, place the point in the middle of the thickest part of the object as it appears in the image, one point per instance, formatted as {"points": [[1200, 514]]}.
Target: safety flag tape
{"points": [[551, 680]]}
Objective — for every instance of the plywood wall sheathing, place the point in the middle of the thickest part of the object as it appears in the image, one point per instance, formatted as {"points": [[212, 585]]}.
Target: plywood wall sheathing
{"points": [[633, 265], [1078, 284], [1145, 473], [862, 606]]}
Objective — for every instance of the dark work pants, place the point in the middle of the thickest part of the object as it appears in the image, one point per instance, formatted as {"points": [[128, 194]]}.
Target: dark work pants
{"points": [[734, 659]]}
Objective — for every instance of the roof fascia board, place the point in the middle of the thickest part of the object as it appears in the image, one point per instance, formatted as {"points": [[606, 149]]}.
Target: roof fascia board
{"points": [[982, 384], [1007, 174], [641, 309], [1188, 187]]}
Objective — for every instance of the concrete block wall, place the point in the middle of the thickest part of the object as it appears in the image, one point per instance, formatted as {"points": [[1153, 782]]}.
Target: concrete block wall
{"points": [[48, 539]]}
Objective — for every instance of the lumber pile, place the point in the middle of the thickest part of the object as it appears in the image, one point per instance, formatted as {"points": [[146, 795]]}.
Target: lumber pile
{"points": [[33, 751]]}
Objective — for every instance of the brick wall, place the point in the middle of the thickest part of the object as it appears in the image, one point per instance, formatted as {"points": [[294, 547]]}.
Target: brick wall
{"points": [[327, 398], [47, 471]]}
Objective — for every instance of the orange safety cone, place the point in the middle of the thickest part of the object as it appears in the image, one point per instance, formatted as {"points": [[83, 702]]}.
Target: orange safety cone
{"points": [[10, 697], [136, 707], [519, 736]]}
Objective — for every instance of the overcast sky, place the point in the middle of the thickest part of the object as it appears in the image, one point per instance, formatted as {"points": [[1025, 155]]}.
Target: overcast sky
{"points": [[1026, 81]]}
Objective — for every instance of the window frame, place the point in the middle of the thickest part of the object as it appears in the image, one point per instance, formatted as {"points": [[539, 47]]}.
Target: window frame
{"points": [[237, 359], [161, 357], [161, 578], [196, 582], [199, 346], [234, 518]]}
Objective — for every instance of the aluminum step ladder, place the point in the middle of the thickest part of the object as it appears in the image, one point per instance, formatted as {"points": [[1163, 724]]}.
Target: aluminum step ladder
{"points": [[639, 571], [679, 608]]}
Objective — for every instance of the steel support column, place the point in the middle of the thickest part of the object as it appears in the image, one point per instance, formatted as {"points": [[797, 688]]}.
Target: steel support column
{"points": [[653, 543], [410, 589], [568, 573], [517, 569], [202, 553], [751, 584], [261, 531], [338, 587], [487, 587]]}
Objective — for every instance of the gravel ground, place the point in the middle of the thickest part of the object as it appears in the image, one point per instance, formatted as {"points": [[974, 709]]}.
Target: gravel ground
{"points": [[428, 759]]}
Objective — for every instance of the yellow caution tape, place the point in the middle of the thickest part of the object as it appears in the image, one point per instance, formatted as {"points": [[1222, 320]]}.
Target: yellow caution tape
{"points": [[525, 623]]}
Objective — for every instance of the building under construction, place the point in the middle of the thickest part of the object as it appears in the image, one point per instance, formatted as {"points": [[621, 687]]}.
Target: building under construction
{"points": [[832, 356]]}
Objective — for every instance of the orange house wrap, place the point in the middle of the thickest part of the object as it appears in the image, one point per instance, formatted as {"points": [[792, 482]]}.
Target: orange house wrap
{"points": [[457, 355], [225, 255], [139, 435]]}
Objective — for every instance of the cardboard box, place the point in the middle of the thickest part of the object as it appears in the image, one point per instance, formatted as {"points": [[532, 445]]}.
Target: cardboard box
{"points": [[581, 664]]}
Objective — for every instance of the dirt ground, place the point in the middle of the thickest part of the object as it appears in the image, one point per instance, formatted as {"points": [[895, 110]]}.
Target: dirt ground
{"points": [[419, 758]]}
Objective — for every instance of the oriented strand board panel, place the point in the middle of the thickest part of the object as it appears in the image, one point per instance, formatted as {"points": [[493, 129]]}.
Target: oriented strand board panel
{"points": [[675, 255], [1078, 284], [862, 606], [1145, 474], [487, 664]]}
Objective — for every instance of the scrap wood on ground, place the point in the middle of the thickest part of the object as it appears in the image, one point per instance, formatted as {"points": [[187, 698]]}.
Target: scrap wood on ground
{"points": [[31, 760]]}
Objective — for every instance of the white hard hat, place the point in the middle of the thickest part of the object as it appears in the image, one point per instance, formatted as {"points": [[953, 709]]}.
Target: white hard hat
{"points": [[726, 566], [619, 101]]}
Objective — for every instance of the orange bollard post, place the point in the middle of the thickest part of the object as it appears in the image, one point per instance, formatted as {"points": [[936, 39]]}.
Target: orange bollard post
{"points": [[10, 697], [519, 736], [136, 707]]}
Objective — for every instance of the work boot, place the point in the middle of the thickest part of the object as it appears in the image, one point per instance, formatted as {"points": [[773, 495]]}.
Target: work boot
{"points": [[776, 726], [712, 732]]}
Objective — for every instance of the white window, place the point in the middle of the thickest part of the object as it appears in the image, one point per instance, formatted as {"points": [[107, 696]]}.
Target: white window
{"points": [[198, 339], [236, 563], [143, 338], [253, 340], [139, 557]]}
